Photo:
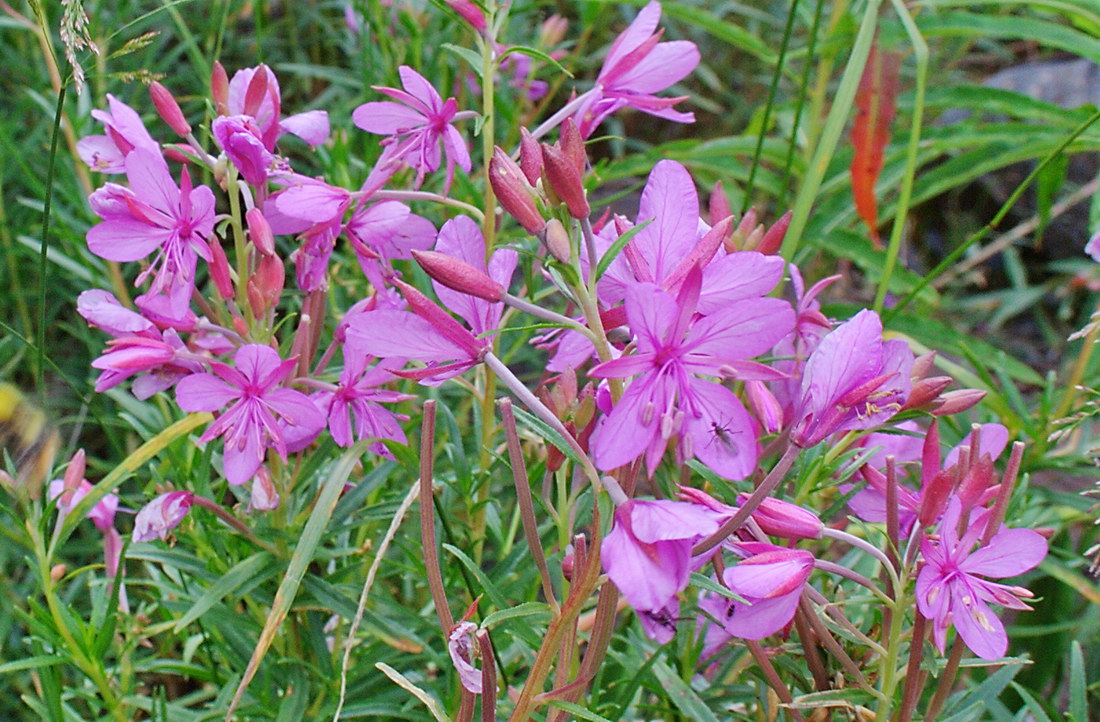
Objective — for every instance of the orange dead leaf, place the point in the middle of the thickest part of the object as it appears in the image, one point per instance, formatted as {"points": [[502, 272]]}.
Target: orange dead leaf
{"points": [[875, 107]]}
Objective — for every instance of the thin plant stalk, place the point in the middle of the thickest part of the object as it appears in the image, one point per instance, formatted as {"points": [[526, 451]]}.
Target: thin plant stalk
{"points": [[771, 676], [893, 248], [772, 88], [427, 520], [803, 86], [834, 126]]}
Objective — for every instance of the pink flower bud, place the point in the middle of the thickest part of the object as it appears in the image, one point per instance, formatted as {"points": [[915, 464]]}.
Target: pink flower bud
{"points": [[553, 30], [922, 365], [266, 284], [556, 239], [934, 497], [513, 192], [470, 12], [459, 275], [256, 91], [530, 157], [773, 239], [785, 520], [565, 181], [955, 402], [168, 109], [719, 207], [219, 88], [766, 407], [162, 515], [925, 391], [572, 145], [260, 232], [264, 496], [219, 270]]}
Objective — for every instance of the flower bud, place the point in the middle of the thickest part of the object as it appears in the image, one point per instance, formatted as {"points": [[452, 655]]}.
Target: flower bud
{"points": [[459, 275], [530, 157], [469, 12], [955, 402], [264, 497], [260, 232], [922, 365], [766, 407], [162, 515], [257, 89], [57, 572], [572, 145], [168, 109], [718, 207], [925, 391], [753, 241], [266, 284], [553, 31], [219, 88], [219, 270], [773, 239], [736, 242], [565, 180], [239, 137], [513, 192], [556, 239], [785, 520], [934, 496]]}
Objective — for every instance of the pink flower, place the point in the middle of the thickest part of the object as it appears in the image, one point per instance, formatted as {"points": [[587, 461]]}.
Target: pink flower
{"points": [[853, 380], [155, 214], [647, 555], [949, 589], [242, 141], [125, 131], [638, 66], [669, 398], [102, 514], [255, 398], [461, 651], [162, 515], [354, 410], [418, 125], [255, 92], [771, 580]]}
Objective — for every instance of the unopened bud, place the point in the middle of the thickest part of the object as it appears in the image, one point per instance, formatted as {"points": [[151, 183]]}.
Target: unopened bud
{"points": [[922, 365], [175, 154], [753, 241], [219, 89], [785, 520], [553, 30], [459, 275], [773, 239], [260, 232], [513, 191], [57, 572], [219, 270], [766, 407], [572, 145], [567, 565], [74, 473], [168, 109], [719, 206], [955, 402], [586, 407], [736, 241], [266, 284], [530, 157], [470, 12], [925, 391], [934, 496], [556, 239], [565, 180]]}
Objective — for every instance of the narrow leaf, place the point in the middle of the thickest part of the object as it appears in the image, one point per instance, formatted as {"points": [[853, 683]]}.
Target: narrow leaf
{"points": [[406, 684], [876, 100]]}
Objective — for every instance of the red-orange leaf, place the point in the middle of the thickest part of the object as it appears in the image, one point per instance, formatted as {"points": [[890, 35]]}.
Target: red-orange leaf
{"points": [[875, 106]]}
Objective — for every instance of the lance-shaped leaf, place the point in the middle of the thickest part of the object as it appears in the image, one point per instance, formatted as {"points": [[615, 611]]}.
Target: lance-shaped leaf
{"points": [[875, 105]]}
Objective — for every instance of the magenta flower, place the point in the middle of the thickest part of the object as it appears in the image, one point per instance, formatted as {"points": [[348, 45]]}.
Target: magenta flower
{"points": [[155, 214], [949, 589], [461, 649], [259, 98], [418, 125], [124, 132], [242, 141], [853, 380], [648, 556], [255, 398], [771, 580], [669, 398], [162, 515], [638, 66], [354, 410], [102, 514]]}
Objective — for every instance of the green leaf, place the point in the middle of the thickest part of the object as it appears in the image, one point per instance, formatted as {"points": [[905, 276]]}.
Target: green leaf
{"points": [[577, 711], [731, 33], [681, 694], [985, 26], [1038, 714], [620, 243], [37, 662], [255, 569], [537, 55], [498, 599], [527, 609], [541, 428], [300, 561], [466, 54], [1078, 686], [404, 683], [705, 582], [1050, 181]]}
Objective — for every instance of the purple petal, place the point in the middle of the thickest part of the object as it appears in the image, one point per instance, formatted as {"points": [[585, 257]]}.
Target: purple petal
{"points": [[419, 87], [1008, 553], [125, 240], [255, 361], [742, 329], [654, 521], [204, 392], [242, 461], [311, 126], [738, 276], [315, 202], [721, 430], [621, 436], [665, 64], [150, 180], [652, 313], [386, 118], [101, 154], [671, 202], [635, 34], [455, 146], [764, 618], [976, 623], [387, 334]]}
